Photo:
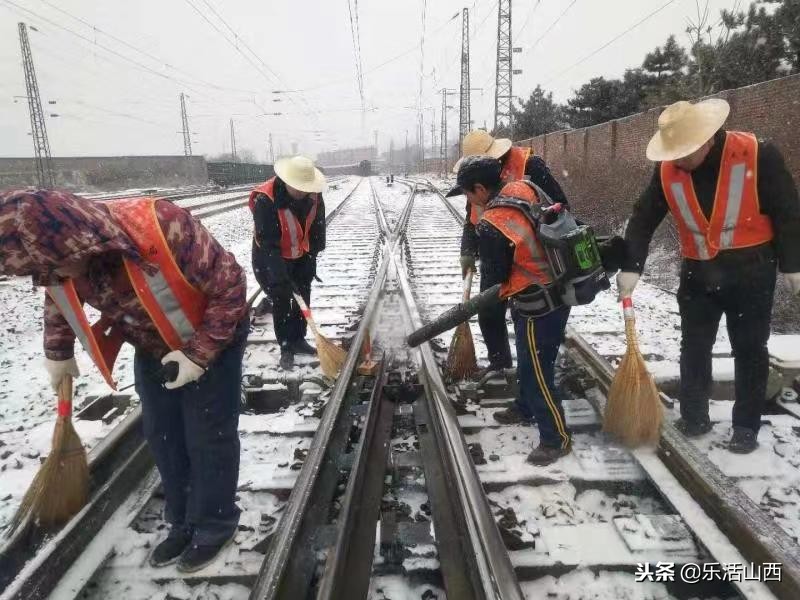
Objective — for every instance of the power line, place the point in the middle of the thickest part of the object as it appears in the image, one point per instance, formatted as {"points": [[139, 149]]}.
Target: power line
{"points": [[552, 25], [608, 43], [356, 54], [527, 19]]}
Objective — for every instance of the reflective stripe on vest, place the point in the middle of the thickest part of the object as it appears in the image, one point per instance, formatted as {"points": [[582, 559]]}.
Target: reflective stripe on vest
{"points": [[736, 220], [514, 164], [175, 307], [295, 240], [530, 265]]}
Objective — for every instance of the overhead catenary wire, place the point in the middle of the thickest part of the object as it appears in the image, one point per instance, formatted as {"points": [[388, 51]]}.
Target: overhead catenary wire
{"points": [[552, 26]]}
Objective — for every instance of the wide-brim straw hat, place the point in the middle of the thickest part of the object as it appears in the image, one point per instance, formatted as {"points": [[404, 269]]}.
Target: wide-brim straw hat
{"points": [[684, 127], [300, 173], [481, 142]]}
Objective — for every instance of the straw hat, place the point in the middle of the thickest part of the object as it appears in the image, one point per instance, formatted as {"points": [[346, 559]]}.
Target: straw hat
{"points": [[300, 173], [479, 141], [684, 127]]}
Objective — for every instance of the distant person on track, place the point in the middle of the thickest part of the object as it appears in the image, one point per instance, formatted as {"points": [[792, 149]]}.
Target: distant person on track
{"points": [[516, 163], [738, 219], [162, 283], [289, 215]]}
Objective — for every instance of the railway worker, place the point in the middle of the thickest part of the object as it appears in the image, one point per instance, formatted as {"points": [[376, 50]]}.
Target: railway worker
{"points": [[517, 163], [162, 283], [289, 215], [738, 218], [525, 276]]}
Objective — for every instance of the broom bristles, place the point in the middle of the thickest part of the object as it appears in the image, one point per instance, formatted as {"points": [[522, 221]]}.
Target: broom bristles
{"points": [[331, 356], [461, 360], [633, 412]]}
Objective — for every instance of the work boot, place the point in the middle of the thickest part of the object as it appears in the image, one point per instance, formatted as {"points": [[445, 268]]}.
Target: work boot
{"points": [[511, 416], [692, 429], [481, 373], [743, 440], [303, 347], [264, 307], [287, 359], [545, 455], [168, 551], [197, 556]]}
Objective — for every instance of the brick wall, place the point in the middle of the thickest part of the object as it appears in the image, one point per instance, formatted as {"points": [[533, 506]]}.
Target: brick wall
{"points": [[603, 168]]}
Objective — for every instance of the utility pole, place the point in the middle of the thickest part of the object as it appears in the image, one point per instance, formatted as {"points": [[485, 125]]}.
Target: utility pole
{"points": [[464, 116], [502, 92], [271, 150], [391, 154], [443, 133], [406, 159], [433, 135], [187, 136], [41, 146], [233, 143], [376, 143]]}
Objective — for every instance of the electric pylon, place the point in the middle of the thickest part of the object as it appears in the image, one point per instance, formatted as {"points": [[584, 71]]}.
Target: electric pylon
{"points": [[502, 93], [187, 136], [233, 143], [41, 146], [464, 116], [271, 150]]}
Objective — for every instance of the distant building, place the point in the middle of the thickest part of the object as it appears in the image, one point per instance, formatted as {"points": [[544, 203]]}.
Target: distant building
{"points": [[346, 156]]}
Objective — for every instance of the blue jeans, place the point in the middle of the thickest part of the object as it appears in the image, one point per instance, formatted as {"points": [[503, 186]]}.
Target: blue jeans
{"points": [[538, 340], [193, 434]]}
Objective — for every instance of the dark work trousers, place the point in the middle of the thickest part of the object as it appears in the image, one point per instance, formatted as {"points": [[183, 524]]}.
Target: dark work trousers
{"points": [[290, 326], [192, 432], [744, 295], [492, 321], [538, 340]]}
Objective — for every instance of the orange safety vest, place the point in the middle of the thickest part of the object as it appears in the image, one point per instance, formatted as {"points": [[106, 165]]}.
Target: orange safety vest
{"points": [[294, 238], [736, 220], [513, 170], [174, 305], [530, 261]]}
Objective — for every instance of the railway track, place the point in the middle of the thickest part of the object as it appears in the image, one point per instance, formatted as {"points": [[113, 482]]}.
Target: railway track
{"points": [[400, 477]]}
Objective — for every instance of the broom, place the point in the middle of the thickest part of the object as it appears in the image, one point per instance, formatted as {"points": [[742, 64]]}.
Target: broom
{"points": [[61, 487], [331, 356], [633, 412], [461, 361]]}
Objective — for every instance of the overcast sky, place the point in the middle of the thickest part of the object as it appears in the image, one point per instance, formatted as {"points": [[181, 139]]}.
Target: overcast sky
{"points": [[115, 68]]}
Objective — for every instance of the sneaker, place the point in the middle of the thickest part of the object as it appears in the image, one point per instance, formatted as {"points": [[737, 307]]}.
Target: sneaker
{"points": [[264, 307], [303, 347], [287, 359], [743, 440], [693, 428], [197, 556], [168, 551], [511, 415], [545, 455]]}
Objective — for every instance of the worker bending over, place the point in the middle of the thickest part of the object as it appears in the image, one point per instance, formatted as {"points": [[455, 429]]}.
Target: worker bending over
{"points": [[516, 163], [163, 284], [738, 218], [289, 215]]}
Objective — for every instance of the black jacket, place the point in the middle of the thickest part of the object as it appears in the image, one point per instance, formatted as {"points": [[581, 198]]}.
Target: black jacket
{"points": [[536, 169], [778, 199], [267, 238]]}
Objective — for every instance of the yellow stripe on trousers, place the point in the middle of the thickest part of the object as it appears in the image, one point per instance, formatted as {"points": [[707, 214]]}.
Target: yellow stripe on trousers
{"points": [[537, 368]]}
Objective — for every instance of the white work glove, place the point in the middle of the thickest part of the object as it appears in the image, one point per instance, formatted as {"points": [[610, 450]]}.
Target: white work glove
{"points": [[793, 281], [187, 370], [626, 281], [58, 369]]}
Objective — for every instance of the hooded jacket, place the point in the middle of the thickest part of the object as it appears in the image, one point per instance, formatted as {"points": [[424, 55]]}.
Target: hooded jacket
{"points": [[41, 230]]}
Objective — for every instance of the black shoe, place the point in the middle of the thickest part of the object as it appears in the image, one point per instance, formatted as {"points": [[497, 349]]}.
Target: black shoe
{"points": [[511, 415], [743, 440], [303, 347], [693, 428], [168, 551], [197, 556], [481, 373], [287, 359], [264, 307], [546, 455]]}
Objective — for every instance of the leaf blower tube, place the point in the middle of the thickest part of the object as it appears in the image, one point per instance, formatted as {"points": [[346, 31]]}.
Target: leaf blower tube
{"points": [[455, 316]]}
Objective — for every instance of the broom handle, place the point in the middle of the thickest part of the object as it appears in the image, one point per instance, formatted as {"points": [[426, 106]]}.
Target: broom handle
{"points": [[630, 320], [467, 285], [65, 397], [306, 313]]}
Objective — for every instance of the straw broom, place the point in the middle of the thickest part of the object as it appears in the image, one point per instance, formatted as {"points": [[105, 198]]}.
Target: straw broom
{"points": [[633, 412], [61, 487], [461, 361], [331, 356]]}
